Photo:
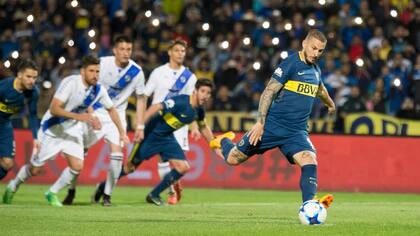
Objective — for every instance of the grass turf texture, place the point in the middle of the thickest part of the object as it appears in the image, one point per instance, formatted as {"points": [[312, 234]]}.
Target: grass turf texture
{"points": [[207, 212]]}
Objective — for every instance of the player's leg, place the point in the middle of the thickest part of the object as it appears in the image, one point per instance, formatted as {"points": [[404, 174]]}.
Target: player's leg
{"points": [[306, 160], [175, 190], [134, 160], [163, 169], [71, 192], [181, 167], [7, 149], [24, 173], [68, 175], [233, 154], [90, 138], [171, 151], [308, 179], [72, 150], [114, 171], [6, 164], [49, 147]]}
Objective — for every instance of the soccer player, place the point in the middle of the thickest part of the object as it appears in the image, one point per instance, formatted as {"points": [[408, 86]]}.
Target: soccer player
{"points": [[13, 94], [120, 76], [283, 114], [162, 119], [167, 81], [62, 129]]}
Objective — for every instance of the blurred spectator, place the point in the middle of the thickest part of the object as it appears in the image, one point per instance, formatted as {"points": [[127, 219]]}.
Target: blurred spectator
{"points": [[223, 100]]}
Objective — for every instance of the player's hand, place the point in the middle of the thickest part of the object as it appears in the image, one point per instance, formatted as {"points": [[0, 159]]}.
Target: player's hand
{"points": [[84, 117], [256, 133], [195, 134], [331, 110], [95, 123], [36, 146], [124, 140], [138, 135]]}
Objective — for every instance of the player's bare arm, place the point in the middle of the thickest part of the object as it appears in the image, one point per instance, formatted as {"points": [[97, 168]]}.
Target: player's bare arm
{"points": [[140, 110], [205, 130], [326, 99], [195, 130], [151, 111], [57, 109], [273, 87]]}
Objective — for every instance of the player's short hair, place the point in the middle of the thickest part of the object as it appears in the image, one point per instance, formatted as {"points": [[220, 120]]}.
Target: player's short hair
{"points": [[90, 60], [204, 82], [27, 64], [178, 42], [120, 38], [314, 33]]}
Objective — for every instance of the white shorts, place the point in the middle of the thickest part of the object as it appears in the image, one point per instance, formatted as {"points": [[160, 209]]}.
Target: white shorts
{"points": [[50, 146], [109, 130], [181, 136]]}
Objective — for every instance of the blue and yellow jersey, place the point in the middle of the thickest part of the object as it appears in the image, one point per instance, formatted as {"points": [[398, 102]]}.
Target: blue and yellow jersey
{"points": [[177, 112], [292, 106], [13, 102]]}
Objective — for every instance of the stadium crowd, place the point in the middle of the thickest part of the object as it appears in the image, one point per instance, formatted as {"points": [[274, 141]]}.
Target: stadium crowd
{"points": [[372, 61]]}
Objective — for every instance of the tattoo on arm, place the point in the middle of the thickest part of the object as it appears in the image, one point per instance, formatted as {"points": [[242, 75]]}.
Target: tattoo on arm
{"points": [[238, 156], [266, 99]]}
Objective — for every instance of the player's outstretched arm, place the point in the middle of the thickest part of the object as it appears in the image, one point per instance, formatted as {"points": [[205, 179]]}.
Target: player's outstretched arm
{"points": [[326, 99], [151, 111], [273, 87]]}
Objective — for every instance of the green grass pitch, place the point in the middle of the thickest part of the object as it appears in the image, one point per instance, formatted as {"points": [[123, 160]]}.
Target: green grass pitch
{"points": [[207, 212]]}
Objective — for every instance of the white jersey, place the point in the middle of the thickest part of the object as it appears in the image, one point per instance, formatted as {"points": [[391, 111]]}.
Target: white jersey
{"points": [[120, 84], [76, 98], [111, 76], [160, 82]]}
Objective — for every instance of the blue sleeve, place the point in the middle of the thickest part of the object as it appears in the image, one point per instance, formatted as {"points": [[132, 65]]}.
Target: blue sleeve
{"points": [[283, 71], [33, 116]]}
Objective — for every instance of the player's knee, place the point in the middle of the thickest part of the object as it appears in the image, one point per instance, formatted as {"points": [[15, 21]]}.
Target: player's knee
{"points": [[7, 163], [306, 158], [182, 167], [35, 170], [76, 166]]}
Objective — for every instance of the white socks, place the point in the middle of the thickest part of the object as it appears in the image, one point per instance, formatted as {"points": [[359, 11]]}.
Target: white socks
{"points": [[67, 177], [21, 177], [114, 172]]}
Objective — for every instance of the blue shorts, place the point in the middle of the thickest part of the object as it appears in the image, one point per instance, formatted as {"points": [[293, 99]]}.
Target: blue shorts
{"points": [[288, 145], [7, 142], [167, 147]]}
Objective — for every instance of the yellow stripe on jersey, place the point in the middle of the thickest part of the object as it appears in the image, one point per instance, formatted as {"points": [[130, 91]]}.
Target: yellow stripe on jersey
{"points": [[301, 88], [6, 109], [172, 121]]}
